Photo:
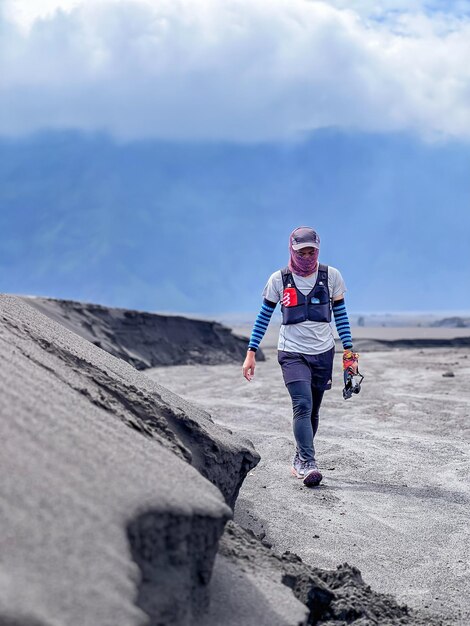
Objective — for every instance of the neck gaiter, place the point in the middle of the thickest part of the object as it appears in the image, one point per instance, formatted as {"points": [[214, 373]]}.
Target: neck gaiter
{"points": [[302, 266]]}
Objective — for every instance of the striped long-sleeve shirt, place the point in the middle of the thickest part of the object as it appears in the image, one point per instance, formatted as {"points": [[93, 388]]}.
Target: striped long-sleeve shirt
{"points": [[261, 324], [342, 323]]}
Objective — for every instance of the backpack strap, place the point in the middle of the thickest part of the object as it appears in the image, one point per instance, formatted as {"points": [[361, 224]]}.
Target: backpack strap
{"points": [[322, 273], [286, 277]]}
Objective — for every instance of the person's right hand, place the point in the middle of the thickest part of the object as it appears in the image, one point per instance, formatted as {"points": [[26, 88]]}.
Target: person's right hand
{"points": [[249, 365]]}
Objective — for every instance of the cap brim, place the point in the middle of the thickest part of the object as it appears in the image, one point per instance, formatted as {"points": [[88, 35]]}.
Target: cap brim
{"points": [[308, 244]]}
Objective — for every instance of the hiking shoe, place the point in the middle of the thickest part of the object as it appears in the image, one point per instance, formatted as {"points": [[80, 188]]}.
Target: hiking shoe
{"points": [[297, 466], [312, 475]]}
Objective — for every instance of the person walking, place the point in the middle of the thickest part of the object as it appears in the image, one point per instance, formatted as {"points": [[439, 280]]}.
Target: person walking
{"points": [[309, 292]]}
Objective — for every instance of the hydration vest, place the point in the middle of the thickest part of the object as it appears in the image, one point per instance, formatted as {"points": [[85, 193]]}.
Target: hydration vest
{"points": [[314, 307]]}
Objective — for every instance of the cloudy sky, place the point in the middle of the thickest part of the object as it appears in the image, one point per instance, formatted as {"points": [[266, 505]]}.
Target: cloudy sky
{"points": [[237, 70]]}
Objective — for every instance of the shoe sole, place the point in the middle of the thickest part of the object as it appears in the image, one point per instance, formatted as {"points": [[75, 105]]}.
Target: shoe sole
{"points": [[313, 478]]}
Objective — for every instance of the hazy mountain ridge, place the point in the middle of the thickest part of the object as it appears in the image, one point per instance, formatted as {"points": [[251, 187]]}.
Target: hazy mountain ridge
{"points": [[200, 227]]}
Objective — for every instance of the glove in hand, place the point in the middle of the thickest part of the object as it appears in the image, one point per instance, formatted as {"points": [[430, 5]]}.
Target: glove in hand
{"points": [[350, 361]]}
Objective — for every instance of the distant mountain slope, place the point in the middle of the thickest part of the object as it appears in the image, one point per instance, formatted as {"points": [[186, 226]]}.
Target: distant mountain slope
{"points": [[453, 322], [200, 227]]}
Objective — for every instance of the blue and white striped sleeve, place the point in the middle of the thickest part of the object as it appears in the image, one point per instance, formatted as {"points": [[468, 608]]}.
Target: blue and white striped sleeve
{"points": [[342, 323], [261, 324]]}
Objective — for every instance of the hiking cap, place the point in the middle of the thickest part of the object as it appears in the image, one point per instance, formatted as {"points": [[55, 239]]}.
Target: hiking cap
{"points": [[304, 237]]}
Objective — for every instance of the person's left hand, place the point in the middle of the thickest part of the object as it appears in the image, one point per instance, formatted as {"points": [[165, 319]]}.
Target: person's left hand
{"points": [[350, 361]]}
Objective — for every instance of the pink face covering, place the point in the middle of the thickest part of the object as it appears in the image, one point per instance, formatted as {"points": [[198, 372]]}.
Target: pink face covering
{"points": [[302, 266]]}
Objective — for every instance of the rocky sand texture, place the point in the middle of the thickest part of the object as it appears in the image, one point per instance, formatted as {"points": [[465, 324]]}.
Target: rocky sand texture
{"points": [[146, 339], [115, 502]]}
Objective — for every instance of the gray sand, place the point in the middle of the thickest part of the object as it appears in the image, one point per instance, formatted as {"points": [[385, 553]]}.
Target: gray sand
{"points": [[396, 465]]}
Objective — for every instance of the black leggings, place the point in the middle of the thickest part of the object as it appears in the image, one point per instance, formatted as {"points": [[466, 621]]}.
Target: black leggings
{"points": [[306, 401]]}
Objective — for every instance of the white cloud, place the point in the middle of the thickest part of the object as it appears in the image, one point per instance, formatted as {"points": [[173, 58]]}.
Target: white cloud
{"points": [[243, 70]]}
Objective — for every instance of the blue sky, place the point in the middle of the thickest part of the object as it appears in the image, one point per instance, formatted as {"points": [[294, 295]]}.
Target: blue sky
{"points": [[360, 109]]}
